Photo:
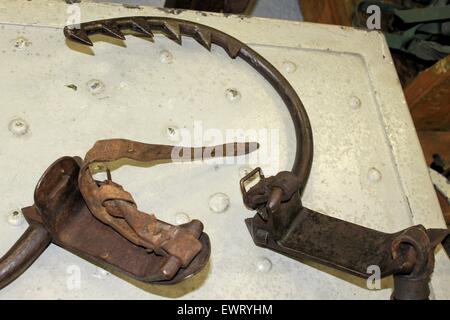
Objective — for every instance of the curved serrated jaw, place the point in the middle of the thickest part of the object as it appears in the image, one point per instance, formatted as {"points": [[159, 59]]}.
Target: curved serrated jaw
{"points": [[233, 48], [112, 31], [77, 35], [142, 26], [173, 31], [204, 38]]}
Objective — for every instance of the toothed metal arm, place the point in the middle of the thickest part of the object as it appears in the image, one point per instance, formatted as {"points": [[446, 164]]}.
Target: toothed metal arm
{"points": [[175, 29]]}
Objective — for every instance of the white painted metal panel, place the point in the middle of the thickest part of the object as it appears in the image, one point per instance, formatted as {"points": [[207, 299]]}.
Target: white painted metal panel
{"points": [[368, 167]]}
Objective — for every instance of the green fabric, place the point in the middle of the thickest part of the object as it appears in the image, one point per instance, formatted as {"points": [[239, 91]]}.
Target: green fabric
{"points": [[431, 28], [424, 14], [417, 44], [428, 26]]}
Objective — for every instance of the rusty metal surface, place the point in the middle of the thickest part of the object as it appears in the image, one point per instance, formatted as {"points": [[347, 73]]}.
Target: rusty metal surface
{"points": [[112, 205], [24, 252], [282, 224], [99, 221]]}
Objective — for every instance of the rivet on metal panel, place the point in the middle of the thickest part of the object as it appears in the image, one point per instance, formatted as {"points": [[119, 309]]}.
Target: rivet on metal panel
{"points": [[18, 127], [219, 202], [166, 57], [15, 218], [374, 175], [289, 66], [355, 102], [263, 265]]}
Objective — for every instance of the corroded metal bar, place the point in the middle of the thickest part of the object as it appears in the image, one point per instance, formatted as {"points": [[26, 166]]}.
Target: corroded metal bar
{"points": [[24, 252]]}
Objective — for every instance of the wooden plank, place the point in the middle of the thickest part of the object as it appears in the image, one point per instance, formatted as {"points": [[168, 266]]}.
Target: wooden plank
{"points": [[428, 97], [437, 142], [328, 11]]}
